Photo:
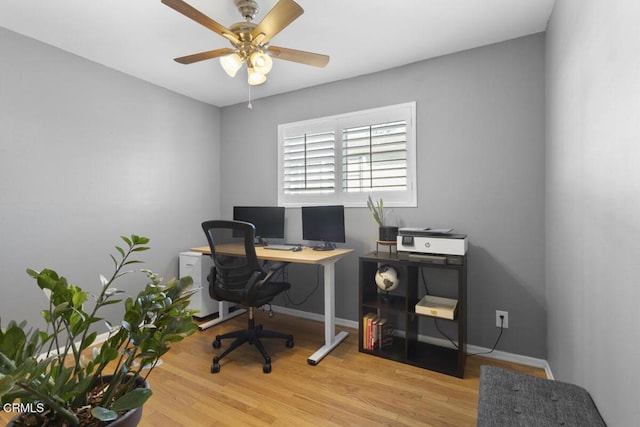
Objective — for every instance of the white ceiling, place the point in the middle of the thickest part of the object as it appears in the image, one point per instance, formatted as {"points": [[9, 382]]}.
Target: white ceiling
{"points": [[141, 37]]}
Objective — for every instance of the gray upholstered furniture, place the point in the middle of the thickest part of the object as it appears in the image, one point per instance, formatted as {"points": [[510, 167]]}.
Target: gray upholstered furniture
{"points": [[508, 398]]}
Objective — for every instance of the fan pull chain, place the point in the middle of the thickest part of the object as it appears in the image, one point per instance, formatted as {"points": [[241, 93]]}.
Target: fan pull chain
{"points": [[249, 106]]}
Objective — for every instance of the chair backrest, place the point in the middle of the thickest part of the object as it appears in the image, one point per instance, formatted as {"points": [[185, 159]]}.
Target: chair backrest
{"points": [[230, 275]]}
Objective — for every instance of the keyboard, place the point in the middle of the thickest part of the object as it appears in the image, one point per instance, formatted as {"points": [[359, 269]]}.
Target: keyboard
{"points": [[281, 247]]}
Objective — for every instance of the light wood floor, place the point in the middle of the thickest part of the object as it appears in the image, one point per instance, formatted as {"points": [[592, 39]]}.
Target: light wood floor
{"points": [[347, 388]]}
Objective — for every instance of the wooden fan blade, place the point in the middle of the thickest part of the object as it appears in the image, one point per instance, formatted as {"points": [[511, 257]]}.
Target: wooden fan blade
{"points": [[196, 57], [281, 15], [308, 58], [202, 19]]}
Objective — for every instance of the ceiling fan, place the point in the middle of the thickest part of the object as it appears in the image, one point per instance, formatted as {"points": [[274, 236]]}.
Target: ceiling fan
{"points": [[250, 41]]}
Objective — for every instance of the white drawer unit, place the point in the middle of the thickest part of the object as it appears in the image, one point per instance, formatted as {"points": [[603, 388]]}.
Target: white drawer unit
{"points": [[197, 266]]}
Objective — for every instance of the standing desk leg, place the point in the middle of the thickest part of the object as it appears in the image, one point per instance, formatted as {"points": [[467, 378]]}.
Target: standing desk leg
{"points": [[223, 314], [331, 340]]}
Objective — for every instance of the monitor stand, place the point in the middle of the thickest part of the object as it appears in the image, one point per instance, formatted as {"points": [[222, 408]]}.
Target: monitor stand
{"points": [[324, 246], [259, 241]]}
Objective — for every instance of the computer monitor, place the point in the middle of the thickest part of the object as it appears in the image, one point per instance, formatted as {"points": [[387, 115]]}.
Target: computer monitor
{"points": [[323, 224], [268, 220]]}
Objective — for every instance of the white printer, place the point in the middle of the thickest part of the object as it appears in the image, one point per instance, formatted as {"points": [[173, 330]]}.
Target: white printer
{"points": [[433, 245]]}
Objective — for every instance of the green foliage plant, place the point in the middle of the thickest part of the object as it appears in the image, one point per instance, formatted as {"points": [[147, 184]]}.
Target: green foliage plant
{"points": [[377, 210], [57, 370]]}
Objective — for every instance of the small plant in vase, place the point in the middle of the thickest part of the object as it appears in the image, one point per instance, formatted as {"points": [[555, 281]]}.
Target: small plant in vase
{"points": [[53, 374], [386, 233]]}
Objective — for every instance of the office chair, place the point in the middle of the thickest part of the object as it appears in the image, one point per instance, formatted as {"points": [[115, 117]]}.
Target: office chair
{"points": [[241, 280]]}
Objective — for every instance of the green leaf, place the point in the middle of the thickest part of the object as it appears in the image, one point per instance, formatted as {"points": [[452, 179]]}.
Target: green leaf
{"points": [[32, 273], [6, 384], [139, 240], [78, 298], [134, 399], [84, 385], [60, 308], [107, 354], [61, 378], [12, 341], [104, 414], [127, 240], [186, 281], [77, 323], [88, 340]]}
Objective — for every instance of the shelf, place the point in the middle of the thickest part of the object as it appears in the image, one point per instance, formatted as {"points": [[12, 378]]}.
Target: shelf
{"points": [[386, 302], [434, 358], [396, 352], [400, 307]]}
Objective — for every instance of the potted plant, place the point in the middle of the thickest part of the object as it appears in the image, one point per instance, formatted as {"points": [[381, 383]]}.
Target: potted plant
{"points": [[386, 233], [59, 380]]}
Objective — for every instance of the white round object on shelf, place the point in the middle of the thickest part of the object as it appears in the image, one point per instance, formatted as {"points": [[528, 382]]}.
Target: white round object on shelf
{"points": [[387, 278]]}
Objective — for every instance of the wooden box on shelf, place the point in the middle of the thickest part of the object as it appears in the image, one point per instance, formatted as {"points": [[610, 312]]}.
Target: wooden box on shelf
{"points": [[437, 307]]}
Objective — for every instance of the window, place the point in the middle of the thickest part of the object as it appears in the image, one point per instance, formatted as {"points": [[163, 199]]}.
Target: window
{"points": [[343, 159]]}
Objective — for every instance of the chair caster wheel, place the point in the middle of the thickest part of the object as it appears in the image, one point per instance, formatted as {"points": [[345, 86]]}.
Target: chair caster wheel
{"points": [[290, 342], [215, 368], [216, 343], [266, 368]]}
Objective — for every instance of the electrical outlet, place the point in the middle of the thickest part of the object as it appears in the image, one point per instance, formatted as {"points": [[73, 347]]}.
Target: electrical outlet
{"points": [[504, 322]]}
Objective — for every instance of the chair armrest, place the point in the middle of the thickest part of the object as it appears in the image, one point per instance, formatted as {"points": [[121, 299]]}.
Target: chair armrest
{"points": [[275, 267]]}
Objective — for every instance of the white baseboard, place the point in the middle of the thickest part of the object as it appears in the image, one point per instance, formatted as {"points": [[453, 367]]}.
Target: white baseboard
{"points": [[471, 349], [99, 340], [513, 358], [313, 316]]}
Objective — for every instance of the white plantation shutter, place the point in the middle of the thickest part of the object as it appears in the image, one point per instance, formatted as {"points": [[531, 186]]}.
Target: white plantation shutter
{"points": [[374, 157], [309, 163], [343, 159]]}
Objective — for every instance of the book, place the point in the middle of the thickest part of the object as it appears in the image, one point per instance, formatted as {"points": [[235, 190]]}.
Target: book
{"points": [[367, 326], [376, 332], [371, 331], [437, 306], [384, 337]]}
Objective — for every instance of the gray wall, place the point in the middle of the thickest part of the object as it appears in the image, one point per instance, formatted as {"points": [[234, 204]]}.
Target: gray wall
{"points": [[593, 201], [88, 154], [480, 130]]}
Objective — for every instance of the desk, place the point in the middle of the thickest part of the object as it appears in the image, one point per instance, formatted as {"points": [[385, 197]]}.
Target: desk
{"points": [[306, 256]]}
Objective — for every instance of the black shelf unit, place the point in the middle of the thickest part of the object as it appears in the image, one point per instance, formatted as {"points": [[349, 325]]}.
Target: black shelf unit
{"points": [[413, 342]]}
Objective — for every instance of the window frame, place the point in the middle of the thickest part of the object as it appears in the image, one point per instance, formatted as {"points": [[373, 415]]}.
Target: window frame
{"points": [[338, 123]]}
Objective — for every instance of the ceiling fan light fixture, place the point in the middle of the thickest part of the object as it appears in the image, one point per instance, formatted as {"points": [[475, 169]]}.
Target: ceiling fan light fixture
{"points": [[249, 39], [255, 78], [231, 64], [261, 62]]}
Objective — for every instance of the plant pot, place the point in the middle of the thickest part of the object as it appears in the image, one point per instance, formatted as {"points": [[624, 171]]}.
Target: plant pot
{"points": [[130, 418], [387, 234]]}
